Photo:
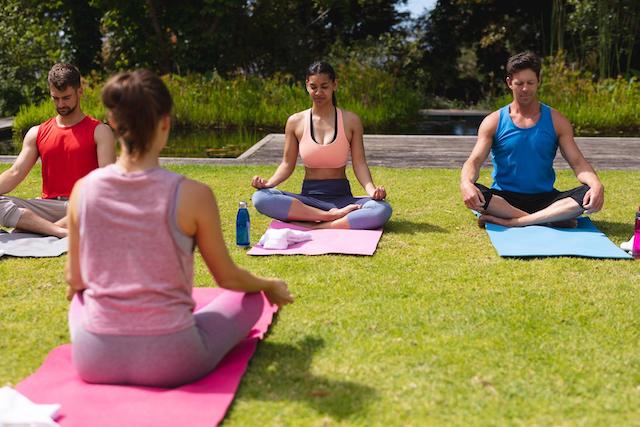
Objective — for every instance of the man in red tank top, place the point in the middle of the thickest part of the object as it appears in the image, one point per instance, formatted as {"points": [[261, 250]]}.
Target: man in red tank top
{"points": [[69, 145]]}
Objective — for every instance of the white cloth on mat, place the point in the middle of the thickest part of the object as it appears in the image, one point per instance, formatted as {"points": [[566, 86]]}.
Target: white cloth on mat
{"points": [[283, 237], [627, 246], [18, 411]]}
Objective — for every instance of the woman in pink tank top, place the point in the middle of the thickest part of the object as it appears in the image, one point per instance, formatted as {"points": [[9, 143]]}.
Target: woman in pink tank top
{"points": [[325, 136], [133, 227]]}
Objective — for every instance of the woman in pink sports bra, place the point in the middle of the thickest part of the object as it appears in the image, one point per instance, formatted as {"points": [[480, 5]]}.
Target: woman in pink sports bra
{"points": [[324, 135]]}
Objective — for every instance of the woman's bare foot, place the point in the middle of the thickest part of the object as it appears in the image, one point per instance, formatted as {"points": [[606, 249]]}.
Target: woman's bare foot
{"points": [[336, 213]]}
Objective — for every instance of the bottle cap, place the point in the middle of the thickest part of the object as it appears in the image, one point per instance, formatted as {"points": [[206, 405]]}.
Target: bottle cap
{"points": [[242, 205]]}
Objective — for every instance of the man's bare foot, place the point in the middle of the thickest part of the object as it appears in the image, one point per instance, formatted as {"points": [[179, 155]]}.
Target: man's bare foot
{"points": [[63, 232], [59, 232], [62, 222], [567, 223], [483, 219], [336, 213]]}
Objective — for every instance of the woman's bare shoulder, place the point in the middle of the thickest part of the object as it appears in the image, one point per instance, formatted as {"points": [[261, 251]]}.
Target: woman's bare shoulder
{"points": [[351, 120], [296, 118]]}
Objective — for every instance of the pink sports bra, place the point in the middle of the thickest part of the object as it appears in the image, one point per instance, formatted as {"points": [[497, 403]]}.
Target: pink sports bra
{"points": [[333, 155]]}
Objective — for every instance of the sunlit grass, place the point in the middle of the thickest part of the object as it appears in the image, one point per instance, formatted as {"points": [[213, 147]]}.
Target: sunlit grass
{"points": [[434, 329]]}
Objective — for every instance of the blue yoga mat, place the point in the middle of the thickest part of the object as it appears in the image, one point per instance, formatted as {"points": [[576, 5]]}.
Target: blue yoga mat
{"points": [[539, 241]]}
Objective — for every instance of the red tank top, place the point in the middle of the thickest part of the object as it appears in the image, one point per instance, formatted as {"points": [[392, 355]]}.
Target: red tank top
{"points": [[67, 154]]}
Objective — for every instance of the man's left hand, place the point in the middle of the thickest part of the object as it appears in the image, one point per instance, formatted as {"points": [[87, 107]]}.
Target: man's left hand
{"points": [[593, 199]]}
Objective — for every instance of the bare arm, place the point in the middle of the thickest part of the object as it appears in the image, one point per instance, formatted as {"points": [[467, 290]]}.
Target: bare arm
{"points": [[198, 216], [28, 156], [105, 145], [72, 267], [289, 157], [358, 158], [470, 173], [594, 199]]}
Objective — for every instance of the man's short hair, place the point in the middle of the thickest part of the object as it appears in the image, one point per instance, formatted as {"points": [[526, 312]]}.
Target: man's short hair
{"points": [[63, 75], [524, 61]]}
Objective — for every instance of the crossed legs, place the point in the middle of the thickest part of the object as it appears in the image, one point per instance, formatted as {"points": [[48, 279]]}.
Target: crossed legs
{"points": [[41, 216], [559, 209], [361, 214]]}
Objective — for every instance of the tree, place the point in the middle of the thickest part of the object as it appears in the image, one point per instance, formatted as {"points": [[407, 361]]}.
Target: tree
{"points": [[599, 35], [30, 44]]}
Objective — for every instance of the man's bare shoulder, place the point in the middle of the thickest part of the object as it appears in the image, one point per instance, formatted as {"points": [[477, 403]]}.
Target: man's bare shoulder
{"points": [[557, 116], [561, 123], [489, 124], [31, 137]]}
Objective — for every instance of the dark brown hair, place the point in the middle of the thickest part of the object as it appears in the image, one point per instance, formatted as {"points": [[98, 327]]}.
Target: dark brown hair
{"points": [[63, 75], [136, 102], [524, 61], [321, 67]]}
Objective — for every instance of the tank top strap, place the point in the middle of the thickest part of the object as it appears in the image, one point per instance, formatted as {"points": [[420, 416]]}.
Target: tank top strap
{"points": [[340, 124], [546, 117], [306, 133]]}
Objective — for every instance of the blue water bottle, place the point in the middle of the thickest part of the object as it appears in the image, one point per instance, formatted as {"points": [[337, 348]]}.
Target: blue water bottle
{"points": [[242, 225]]}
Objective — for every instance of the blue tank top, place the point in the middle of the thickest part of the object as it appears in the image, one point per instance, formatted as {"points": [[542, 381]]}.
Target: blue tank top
{"points": [[523, 157]]}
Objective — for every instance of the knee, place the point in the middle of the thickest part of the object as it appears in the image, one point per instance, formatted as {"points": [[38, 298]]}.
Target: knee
{"points": [[253, 305], [260, 198], [373, 214], [10, 213], [486, 193], [272, 203]]}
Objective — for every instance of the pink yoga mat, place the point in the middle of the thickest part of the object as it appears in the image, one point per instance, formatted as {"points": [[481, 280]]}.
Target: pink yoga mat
{"points": [[202, 403], [349, 242]]}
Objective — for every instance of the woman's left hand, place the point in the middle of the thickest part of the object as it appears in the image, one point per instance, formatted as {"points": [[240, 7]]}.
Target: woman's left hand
{"points": [[379, 193]]}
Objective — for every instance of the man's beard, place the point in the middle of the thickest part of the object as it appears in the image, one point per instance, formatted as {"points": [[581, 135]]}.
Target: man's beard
{"points": [[66, 110]]}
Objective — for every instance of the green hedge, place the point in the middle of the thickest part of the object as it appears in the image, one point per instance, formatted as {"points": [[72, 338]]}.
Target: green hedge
{"points": [[605, 107], [201, 102]]}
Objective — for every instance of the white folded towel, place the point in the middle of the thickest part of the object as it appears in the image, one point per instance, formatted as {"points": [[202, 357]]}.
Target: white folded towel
{"points": [[627, 246], [283, 237], [18, 411]]}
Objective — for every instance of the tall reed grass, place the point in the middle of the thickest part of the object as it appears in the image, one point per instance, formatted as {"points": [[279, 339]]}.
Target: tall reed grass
{"points": [[249, 101], [605, 107]]}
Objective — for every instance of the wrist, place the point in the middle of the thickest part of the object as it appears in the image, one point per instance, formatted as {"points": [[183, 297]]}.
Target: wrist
{"points": [[267, 285]]}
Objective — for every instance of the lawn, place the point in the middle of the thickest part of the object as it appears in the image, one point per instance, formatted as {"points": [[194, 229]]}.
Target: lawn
{"points": [[434, 329]]}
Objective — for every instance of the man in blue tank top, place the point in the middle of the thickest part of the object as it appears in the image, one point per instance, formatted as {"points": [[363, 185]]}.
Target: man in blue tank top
{"points": [[523, 138]]}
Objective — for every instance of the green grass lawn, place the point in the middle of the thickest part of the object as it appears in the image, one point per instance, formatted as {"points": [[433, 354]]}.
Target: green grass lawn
{"points": [[434, 329]]}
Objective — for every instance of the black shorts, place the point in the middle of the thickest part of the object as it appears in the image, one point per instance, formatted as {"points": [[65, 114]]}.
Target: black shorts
{"points": [[535, 202]]}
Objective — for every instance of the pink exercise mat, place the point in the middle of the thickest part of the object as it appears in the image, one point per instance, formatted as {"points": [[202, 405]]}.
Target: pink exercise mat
{"points": [[349, 242], [202, 403]]}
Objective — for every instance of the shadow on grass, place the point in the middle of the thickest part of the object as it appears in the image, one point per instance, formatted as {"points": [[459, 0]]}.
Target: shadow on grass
{"points": [[616, 231], [283, 372], [402, 226]]}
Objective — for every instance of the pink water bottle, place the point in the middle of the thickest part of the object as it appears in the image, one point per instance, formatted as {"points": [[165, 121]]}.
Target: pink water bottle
{"points": [[635, 251]]}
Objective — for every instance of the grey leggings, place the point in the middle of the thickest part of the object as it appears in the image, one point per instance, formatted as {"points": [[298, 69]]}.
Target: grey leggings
{"points": [[324, 194], [165, 360]]}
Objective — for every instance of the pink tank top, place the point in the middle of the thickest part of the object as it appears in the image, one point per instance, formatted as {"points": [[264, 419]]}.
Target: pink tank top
{"points": [[333, 155], [138, 275]]}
